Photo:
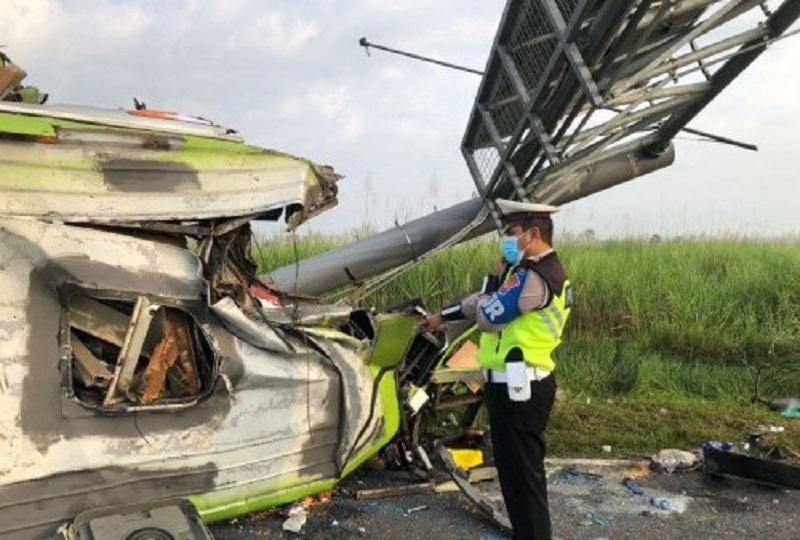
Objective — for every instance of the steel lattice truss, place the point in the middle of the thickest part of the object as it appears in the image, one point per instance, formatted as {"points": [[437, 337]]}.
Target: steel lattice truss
{"points": [[569, 82]]}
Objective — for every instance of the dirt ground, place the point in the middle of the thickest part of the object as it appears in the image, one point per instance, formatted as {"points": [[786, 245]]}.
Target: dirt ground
{"points": [[588, 502]]}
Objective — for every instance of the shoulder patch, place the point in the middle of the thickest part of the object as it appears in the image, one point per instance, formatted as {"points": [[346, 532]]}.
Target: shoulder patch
{"points": [[512, 281]]}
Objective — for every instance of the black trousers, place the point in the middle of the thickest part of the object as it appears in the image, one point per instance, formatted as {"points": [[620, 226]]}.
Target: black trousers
{"points": [[517, 431]]}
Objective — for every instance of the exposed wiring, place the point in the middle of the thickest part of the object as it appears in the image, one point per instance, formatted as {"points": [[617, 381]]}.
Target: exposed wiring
{"points": [[139, 431]]}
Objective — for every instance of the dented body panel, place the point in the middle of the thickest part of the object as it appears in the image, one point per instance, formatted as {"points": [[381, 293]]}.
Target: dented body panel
{"points": [[119, 262], [79, 172]]}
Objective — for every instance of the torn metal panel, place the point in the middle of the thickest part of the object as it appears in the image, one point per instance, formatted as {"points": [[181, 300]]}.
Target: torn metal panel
{"points": [[73, 185], [96, 167], [131, 349], [111, 260], [155, 375], [97, 319], [252, 330], [90, 370], [172, 364], [307, 314], [183, 375], [119, 118], [267, 406]]}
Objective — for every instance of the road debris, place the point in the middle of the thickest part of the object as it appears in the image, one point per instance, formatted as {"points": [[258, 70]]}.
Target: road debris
{"points": [[671, 460], [414, 509], [298, 515], [466, 458], [480, 474], [632, 486], [394, 491], [571, 475]]}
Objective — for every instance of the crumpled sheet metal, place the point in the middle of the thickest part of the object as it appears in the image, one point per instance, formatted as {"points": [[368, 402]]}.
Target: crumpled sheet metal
{"points": [[171, 356], [258, 333], [274, 417], [104, 259], [113, 169], [306, 314]]}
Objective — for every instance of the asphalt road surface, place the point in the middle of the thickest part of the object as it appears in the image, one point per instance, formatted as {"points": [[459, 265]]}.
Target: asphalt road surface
{"points": [[588, 502]]}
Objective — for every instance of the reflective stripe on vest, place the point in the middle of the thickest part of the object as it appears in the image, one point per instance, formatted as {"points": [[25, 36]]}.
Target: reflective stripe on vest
{"points": [[537, 333], [548, 314]]}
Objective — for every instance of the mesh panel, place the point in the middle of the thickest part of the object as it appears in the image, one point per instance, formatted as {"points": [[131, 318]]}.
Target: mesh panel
{"points": [[487, 160], [527, 34], [505, 106], [567, 8], [532, 44]]}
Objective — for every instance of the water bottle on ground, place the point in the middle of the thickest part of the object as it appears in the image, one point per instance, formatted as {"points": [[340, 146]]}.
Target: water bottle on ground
{"points": [[661, 503]]}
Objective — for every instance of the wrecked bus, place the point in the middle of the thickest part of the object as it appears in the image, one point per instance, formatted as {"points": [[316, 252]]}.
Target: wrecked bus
{"points": [[142, 357]]}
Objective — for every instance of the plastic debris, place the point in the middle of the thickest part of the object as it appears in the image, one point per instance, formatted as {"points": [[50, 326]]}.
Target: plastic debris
{"points": [[719, 445], [670, 460], [416, 509], [297, 518], [466, 458], [606, 448], [571, 475], [770, 429], [590, 518], [669, 505], [662, 503], [792, 411], [491, 535], [789, 407], [632, 486], [587, 520]]}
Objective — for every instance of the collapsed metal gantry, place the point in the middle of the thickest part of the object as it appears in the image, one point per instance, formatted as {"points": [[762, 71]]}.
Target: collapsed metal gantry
{"points": [[567, 80], [577, 96]]}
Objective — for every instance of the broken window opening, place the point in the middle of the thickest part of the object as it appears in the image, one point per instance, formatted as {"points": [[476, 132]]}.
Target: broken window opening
{"points": [[361, 325], [228, 265], [128, 355]]}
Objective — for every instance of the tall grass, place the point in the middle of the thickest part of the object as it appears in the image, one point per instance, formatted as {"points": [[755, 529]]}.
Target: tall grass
{"points": [[696, 317], [652, 320]]}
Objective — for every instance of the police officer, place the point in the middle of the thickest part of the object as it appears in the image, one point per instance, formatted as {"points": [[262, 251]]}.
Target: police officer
{"points": [[521, 323]]}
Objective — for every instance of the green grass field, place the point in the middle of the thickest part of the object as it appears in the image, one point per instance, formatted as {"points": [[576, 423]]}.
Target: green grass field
{"points": [[664, 345]]}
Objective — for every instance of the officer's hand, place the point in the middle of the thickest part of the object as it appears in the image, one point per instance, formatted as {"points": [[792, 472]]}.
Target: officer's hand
{"points": [[432, 323], [499, 267]]}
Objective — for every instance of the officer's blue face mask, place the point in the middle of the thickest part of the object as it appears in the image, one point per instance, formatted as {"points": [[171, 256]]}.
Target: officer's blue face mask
{"points": [[511, 252]]}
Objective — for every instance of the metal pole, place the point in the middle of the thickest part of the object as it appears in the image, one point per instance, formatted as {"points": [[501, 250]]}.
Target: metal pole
{"points": [[366, 44]]}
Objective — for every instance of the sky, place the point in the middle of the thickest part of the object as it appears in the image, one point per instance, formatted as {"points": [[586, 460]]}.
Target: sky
{"points": [[290, 75]]}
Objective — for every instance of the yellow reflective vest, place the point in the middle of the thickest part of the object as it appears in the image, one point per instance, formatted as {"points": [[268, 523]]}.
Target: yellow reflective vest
{"points": [[537, 333]]}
